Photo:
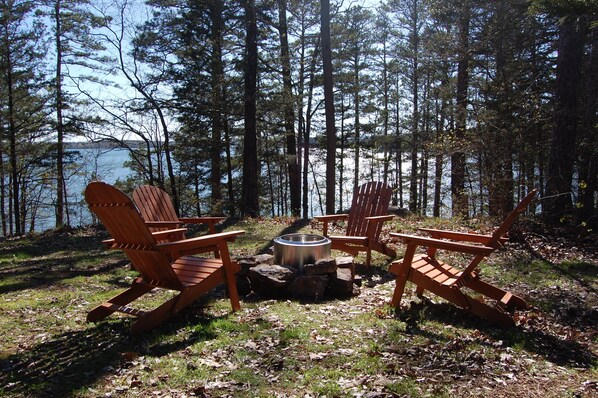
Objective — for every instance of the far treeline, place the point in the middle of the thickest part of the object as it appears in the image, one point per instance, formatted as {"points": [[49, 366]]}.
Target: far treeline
{"points": [[226, 98]]}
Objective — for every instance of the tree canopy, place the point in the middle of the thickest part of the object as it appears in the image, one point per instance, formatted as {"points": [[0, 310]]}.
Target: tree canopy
{"points": [[462, 107]]}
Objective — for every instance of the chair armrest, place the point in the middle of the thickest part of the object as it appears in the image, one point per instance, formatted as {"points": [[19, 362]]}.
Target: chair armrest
{"points": [[331, 217], [455, 235], [109, 243], [327, 218], [201, 220], [462, 236], [210, 221], [380, 218], [443, 244], [173, 224], [170, 234], [189, 245]]}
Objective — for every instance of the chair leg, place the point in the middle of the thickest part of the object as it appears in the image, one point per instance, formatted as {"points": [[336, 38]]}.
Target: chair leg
{"points": [[496, 293], [155, 317], [401, 280], [420, 291], [136, 290], [489, 313]]}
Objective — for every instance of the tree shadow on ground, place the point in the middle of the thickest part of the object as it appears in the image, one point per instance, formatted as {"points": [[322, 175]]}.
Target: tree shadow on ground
{"points": [[37, 274], [541, 338], [53, 257], [71, 361]]}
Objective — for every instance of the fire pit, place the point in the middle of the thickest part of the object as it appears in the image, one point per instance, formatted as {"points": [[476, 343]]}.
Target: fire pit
{"points": [[299, 267], [299, 249]]}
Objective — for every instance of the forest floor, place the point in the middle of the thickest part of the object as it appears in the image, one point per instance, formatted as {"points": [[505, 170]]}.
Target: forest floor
{"points": [[355, 347]]}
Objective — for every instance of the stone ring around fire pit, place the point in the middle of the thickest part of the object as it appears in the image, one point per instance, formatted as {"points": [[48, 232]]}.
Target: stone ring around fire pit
{"points": [[300, 268]]}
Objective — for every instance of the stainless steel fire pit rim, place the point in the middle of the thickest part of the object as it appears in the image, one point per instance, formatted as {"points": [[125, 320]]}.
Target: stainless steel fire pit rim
{"points": [[302, 240], [299, 249]]}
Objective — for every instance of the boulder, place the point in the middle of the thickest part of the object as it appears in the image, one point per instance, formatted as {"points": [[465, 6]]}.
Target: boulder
{"points": [[321, 267], [264, 259], [341, 283], [309, 287], [346, 262], [270, 280], [246, 264]]}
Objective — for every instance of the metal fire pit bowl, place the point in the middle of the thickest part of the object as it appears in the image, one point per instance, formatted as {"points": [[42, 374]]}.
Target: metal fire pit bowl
{"points": [[299, 249]]}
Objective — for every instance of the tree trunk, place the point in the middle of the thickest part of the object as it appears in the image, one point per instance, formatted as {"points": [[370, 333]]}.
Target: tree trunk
{"points": [[60, 194], [12, 132], [459, 197], [356, 110], [562, 150], [307, 133], [588, 156], [218, 106], [289, 116], [329, 107], [250, 206]]}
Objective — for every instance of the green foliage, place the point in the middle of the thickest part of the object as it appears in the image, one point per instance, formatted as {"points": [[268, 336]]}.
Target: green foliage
{"points": [[562, 8]]}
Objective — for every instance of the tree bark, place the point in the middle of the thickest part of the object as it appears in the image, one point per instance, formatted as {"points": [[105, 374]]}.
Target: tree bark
{"points": [[459, 197], [218, 106], [250, 206], [60, 194], [289, 115], [329, 108], [588, 154], [562, 150]]}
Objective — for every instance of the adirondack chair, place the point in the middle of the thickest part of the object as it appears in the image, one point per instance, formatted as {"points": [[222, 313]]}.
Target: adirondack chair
{"points": [[427, 272], [159, 214], [369, 211], [166, 265]]}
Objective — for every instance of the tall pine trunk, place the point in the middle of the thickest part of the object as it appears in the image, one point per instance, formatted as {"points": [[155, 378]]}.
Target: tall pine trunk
{"points": [[289, 116], [562, 150], [588, 154], [250, 206], [329, 107], [60, 194], [218, 106], [459, 197]]}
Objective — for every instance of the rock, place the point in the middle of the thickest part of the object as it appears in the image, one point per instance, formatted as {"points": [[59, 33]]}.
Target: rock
{"points": [[321, 267], [243, 285], [346, 262], [310, 287], [264, 259], [270, 280], [357, 280], [341, 282], [246, 264]]}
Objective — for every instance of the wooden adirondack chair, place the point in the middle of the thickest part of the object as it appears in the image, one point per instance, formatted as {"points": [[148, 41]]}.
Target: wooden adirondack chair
{"points": [[159, 214], [166, 265], [429, 273], [369, 211]]}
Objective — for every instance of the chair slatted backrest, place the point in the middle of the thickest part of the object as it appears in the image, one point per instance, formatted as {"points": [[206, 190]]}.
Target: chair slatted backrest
{"points": [[124, 223], [498, 236], [370, 200], [154, 205], [502, 230]]}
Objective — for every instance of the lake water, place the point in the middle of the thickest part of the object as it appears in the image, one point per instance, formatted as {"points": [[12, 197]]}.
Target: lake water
{"points": [[90, 164], [108, 166]]}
